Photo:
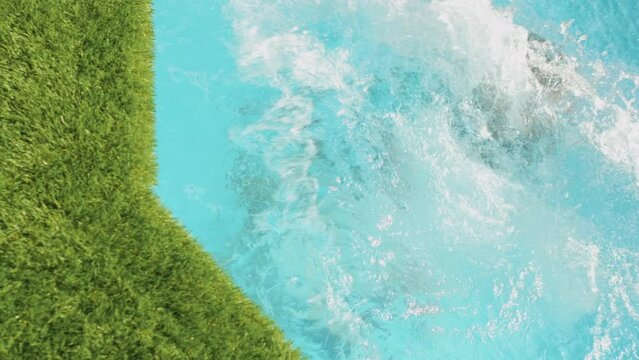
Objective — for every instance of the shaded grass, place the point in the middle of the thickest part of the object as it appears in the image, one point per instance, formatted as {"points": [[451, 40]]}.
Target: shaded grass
{"points": [[91, 265]]}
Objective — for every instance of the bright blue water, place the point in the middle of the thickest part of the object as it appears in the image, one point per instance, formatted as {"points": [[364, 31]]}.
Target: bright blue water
{"points": [[412, 179]]}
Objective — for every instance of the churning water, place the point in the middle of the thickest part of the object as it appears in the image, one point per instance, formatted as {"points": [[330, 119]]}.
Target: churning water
{"points": [[412, 179]]}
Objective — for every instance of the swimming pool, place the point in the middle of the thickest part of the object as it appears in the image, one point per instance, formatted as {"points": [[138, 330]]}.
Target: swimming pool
{"points": [[412, 179]]}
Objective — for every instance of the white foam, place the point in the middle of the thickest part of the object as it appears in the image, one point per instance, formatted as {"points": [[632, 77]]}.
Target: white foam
{"points": [[308, 62], [620, 142], [466, 38]]}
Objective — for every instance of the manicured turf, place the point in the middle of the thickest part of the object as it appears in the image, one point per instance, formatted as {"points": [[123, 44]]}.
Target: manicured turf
{"points": [[91, 265]]}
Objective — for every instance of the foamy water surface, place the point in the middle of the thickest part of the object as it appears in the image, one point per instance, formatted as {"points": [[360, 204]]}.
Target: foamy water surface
{"points": [[412, 179]]}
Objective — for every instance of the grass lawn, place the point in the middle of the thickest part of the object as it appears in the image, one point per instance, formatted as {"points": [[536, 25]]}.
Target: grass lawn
{"points": [[91, 265]]}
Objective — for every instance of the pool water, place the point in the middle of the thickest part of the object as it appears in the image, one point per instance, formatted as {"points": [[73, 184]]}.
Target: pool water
{"points": [[412, 179]]}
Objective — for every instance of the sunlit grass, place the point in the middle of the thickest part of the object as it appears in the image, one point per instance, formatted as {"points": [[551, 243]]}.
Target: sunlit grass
{"points": [[91, 265]]}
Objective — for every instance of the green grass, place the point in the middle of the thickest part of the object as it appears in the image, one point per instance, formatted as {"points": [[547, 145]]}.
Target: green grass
{"points": [[91, 265]]}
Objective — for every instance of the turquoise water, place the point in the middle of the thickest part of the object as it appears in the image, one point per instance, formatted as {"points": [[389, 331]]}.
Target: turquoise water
{"points": [[412, 179]]}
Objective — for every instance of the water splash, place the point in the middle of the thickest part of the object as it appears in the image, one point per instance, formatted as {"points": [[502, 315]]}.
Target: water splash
{"points": [[442, 183]]}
